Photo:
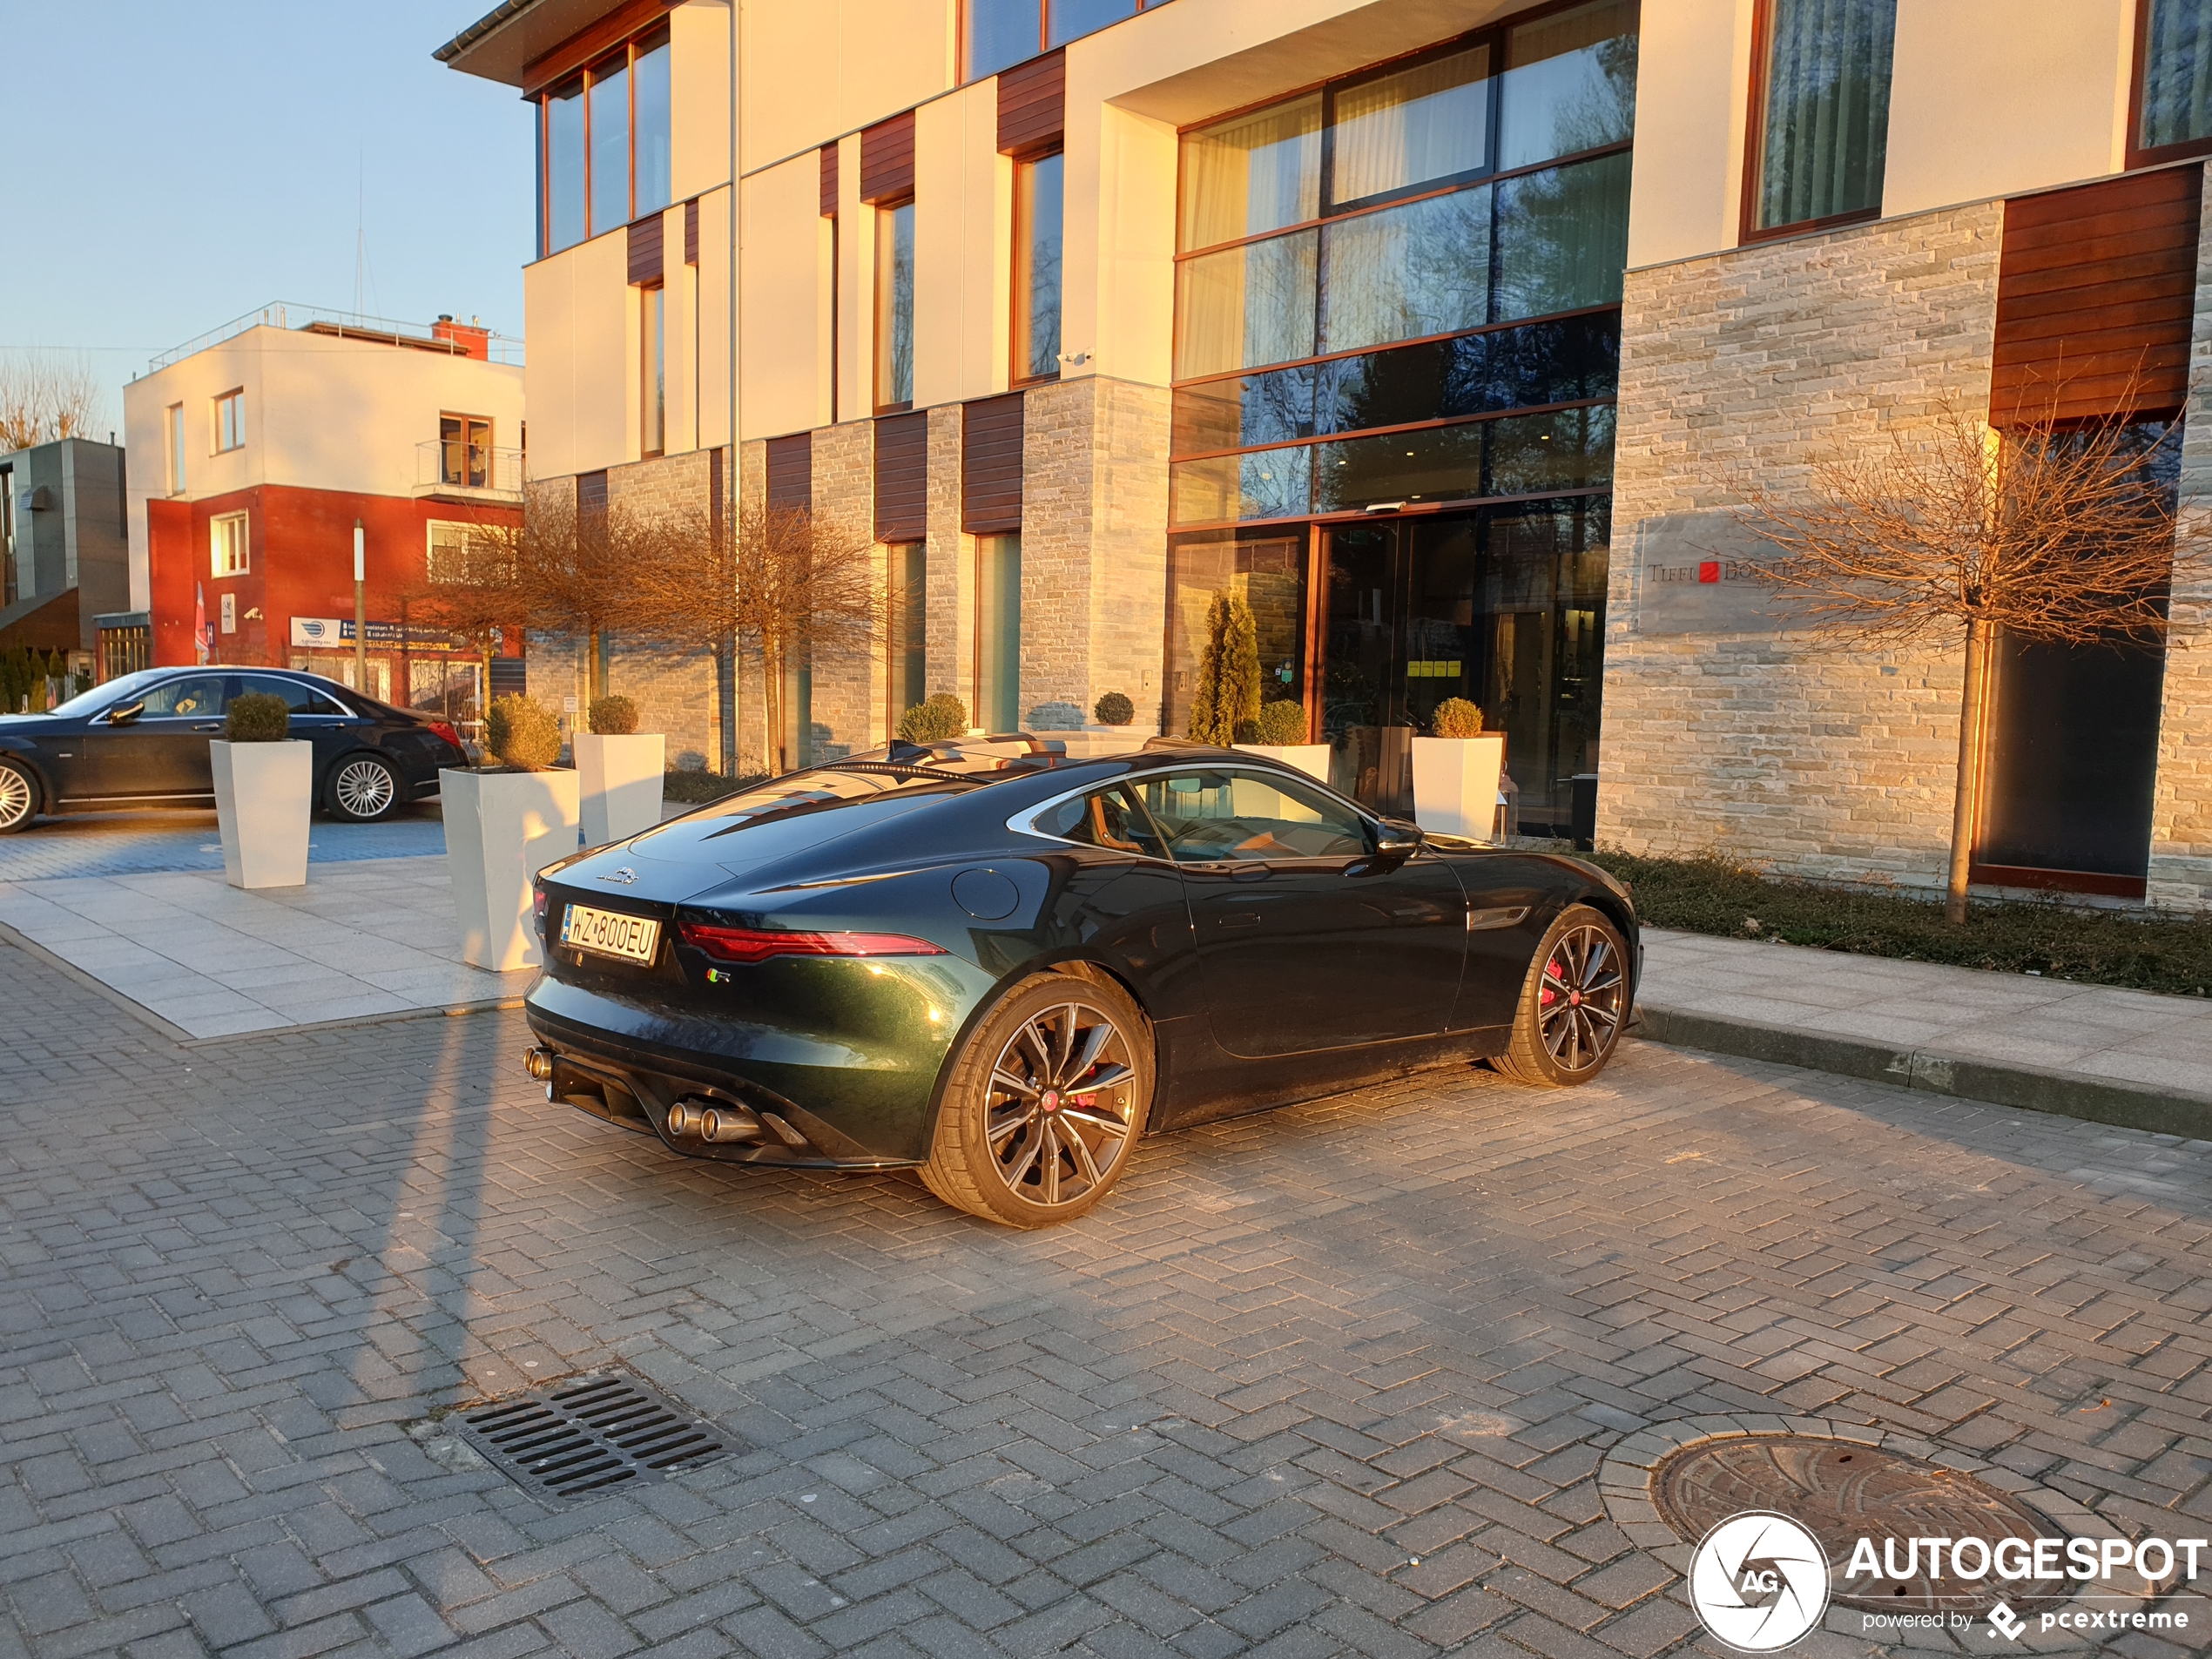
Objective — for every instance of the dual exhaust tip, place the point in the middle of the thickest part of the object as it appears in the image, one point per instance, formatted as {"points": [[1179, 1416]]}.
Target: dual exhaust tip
{"points": [[719, 1122]]}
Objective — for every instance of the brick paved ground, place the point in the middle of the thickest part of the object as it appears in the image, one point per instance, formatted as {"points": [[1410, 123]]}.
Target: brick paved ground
{"points": [[1222, 1415]]}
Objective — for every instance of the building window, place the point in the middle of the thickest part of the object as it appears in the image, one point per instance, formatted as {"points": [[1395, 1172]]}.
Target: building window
{"points": [[1036, 267], [2173, 115], [464, 451], [998, 33], [652, 359], [894, 307], [603, 145], [998, 632], [1402, 275], [230, 422], [229, 553], [909, 618], [1820, 105], [176, 449], [461, 552]]}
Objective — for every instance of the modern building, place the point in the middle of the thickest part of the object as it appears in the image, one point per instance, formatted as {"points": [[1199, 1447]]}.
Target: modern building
{"points": [[1447, 332], [63, 557], [256, 448]]}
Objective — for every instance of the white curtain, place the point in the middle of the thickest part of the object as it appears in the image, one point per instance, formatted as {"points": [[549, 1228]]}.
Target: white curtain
{"points": [[1427, 122], [1252, 174]]}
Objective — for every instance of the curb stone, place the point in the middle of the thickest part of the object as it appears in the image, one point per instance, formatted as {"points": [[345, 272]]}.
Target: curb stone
{"points": [[2035, 1089]]}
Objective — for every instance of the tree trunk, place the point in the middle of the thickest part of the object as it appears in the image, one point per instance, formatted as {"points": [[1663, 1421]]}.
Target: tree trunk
{"points": [[1966, 807], [725, 702], [771, 710], [593, 688]]}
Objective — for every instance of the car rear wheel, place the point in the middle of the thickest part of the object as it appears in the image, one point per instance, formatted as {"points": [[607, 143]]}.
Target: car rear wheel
{"points": [[1572, 1004], [1044, 1104], [18, 798], [362, 789]]}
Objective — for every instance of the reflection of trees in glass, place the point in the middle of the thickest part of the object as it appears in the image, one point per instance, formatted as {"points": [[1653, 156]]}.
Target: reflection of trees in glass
{"points": [[1570, 449], [1563, 238], [1273, 483], [1405, 272], [1574, 101]]}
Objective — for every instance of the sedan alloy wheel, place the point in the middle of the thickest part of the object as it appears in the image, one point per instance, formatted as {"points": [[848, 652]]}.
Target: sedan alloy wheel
{"points": [[18, 798], [364, 788]]}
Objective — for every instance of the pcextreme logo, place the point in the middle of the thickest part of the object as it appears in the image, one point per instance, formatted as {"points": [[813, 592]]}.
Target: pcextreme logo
{"points": [[1761, 1582]]}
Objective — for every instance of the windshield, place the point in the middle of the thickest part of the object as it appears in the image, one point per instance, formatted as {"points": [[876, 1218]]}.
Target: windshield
{"points": [[116, 690]]}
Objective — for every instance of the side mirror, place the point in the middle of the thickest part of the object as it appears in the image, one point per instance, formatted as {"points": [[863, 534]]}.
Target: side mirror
{"points": [[1399, 839], [123, 713]]}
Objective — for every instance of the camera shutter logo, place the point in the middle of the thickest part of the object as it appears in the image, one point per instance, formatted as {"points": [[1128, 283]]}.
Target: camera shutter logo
{"points": [[1759, 1582]]}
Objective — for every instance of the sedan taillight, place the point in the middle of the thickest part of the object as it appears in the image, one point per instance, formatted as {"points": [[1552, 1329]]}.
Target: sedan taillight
{"points": [[758, 944], [446, 730]]}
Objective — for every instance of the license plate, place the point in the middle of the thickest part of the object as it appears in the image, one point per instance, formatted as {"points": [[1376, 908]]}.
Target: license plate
{"points": [[609, 933]]}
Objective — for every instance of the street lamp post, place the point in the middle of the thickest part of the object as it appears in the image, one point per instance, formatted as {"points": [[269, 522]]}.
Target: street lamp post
{"points": [[361, 610]]}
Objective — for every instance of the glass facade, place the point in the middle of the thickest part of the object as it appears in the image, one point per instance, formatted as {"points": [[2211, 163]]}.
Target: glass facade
{"points": [[1400, 295], [1037, 217], [895, 307], [998, 33], [2174, 102], [1824, 115], [604, 139]]}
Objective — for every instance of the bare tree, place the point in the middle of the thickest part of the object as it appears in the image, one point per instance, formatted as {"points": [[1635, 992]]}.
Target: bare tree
{"points": [[44, 397], [786, 584], [472, 592], [2053, 532]]}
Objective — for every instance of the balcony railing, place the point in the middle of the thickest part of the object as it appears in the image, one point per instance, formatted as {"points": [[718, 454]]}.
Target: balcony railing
{"points": [[498, 348], [449, 467]]}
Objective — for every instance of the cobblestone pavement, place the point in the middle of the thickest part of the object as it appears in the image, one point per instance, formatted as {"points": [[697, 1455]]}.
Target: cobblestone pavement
{"points": [[1333, 1379], [144, 843]]}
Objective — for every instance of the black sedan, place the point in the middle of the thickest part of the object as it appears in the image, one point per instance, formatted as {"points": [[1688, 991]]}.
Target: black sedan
{"points": [[141, 740], [998, 966]]}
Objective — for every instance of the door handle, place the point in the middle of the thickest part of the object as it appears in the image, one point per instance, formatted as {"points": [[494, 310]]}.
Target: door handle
{"points": [[1240, 919], [211, 725]]}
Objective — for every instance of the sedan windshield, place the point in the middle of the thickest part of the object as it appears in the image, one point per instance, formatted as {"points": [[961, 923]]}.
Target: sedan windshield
{"points": [[114, 692]]}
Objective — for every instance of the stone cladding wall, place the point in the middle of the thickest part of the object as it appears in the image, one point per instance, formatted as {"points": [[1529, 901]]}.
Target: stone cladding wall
{"points": [[2180, 834], [1828, 762], [948, 604], [848, 679]]}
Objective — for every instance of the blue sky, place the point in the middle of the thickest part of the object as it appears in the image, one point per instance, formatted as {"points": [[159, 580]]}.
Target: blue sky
{"points": [[172, 164]]}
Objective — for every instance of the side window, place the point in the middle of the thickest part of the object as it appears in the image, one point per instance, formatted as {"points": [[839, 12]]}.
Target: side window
{"points": [[300, 698], [197, 697], [1213, 817], [1106, 819]]}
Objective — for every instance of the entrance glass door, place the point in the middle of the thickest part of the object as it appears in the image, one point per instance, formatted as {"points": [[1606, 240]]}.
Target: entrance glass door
{"points": [[1505, 609]]}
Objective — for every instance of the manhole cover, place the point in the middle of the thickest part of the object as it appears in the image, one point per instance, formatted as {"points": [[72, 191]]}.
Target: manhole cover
{"points": [[1843, 1492], [589, 1435]]}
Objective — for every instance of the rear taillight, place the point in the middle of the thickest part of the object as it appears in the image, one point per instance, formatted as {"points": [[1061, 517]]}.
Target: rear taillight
{"points": [[446, 730], [539, 901], [757, 944]]}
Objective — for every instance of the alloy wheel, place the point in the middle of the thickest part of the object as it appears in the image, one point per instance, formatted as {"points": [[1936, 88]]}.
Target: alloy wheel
{"points": [[364, 788], [1578, 1007], [1061, 1103], [17, 800]]}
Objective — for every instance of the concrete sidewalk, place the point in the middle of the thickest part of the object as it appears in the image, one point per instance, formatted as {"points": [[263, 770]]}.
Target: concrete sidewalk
{"points": [[2087, 1051]]}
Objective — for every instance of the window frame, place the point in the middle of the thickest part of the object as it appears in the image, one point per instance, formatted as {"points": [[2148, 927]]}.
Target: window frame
{"points": [[244, 549], [1018, 317], [2156, 155], [228, 410], [653, 37], [1748, 228], [468, 423], [967, 78], [880, 295], [652, 354]]}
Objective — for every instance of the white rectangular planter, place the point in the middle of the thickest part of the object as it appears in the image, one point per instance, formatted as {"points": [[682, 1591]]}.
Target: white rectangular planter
{"points": [[1455, 783], [501, 828], [619, 779], [1312, 759], [264, 792]]}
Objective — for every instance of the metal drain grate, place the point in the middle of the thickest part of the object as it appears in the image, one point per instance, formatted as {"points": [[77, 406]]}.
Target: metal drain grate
{"points": [[589, 1435]]}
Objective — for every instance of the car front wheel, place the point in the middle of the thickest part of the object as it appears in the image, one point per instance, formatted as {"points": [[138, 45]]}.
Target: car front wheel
{"points": [[362, 789], [1044, 1104], [1572, 1004], [18, 798]]}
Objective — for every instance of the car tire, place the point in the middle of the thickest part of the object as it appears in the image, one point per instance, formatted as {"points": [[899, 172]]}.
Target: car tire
{"points": [[1574, 1004], [362, 788], [18, 798], [1020, 1138]]}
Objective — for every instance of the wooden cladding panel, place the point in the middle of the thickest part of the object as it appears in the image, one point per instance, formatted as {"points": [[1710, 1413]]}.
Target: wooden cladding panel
{"points": [[646, 249], [990, 466], [2097, 289], [902, 477], [791, 473], [692, 231], [829, 180], [888, 159], [1033, 104], [580, 49]]}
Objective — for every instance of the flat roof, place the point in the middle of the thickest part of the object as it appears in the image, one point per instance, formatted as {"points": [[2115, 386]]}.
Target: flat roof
{"points": [[513, 34]]}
